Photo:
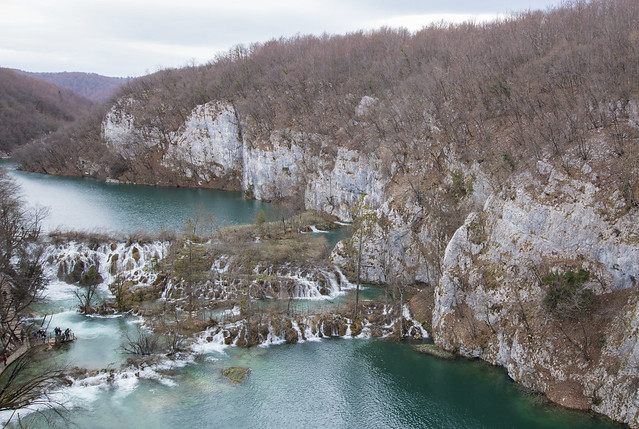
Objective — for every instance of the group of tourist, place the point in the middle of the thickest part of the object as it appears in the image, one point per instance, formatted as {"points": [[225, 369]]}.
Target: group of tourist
{"points": [[60, 335], [63, 336], [40, 333]]}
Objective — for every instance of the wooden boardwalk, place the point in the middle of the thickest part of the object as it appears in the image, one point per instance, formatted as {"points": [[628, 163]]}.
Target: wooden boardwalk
{"points": [[15, 355], [35, 342]]}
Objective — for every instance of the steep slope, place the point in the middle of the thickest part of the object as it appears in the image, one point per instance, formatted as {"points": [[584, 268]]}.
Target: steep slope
{"points": [[501, 160], [543, 281], [31, 108]]}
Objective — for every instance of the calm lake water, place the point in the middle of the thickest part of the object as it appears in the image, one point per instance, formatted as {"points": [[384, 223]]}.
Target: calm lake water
{"points": [[90, 205], [336, 383]]}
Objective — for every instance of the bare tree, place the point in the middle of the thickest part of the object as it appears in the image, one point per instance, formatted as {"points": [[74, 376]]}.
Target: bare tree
{"points": [[119, 289], [24, 383], [21, 274], [142, 342], [86, 296], [191, 265]]}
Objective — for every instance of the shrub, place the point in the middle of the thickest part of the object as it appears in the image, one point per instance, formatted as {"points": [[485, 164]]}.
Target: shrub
{"points": [[460, 189], [261, 218], [566, 293]]}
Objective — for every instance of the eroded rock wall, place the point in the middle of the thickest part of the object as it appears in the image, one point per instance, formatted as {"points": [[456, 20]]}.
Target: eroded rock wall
{"points": [[209, 150], [489, 303], [205, 150], [208, 145]]}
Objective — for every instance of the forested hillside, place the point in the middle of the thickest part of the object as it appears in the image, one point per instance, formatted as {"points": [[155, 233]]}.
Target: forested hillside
{"points": [[508, 93], [31, 108], [93, 86]]}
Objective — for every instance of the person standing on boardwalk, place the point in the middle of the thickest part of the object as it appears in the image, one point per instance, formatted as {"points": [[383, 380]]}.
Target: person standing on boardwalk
{"points": [[4, 358]]}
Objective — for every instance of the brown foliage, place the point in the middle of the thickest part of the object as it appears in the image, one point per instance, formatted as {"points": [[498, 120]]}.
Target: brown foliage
{"points": [[534, 85], [30, 108], [93, 86]]}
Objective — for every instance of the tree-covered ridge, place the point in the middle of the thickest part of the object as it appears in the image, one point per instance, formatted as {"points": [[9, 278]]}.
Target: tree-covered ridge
{"points": [[529, 87], [30, 108], [95, 87]]}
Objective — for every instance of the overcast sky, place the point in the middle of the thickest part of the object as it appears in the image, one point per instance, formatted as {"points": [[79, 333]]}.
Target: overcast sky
{"points": [[136, 37]]}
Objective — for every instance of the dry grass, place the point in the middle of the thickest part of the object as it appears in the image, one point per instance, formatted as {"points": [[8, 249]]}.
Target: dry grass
{"points": [[275, 242], [96, 237], [91, 238]]}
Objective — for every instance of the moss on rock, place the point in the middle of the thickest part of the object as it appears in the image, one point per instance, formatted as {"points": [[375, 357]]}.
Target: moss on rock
{"points": [[356, 328], [236, 374], [433, 350]]}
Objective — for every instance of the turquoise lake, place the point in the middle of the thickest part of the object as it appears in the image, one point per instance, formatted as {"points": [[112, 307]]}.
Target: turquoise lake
{"points": [[329, 383]]}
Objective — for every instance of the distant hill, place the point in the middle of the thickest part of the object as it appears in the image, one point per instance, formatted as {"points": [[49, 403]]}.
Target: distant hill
{"points": [[30, 108], [93, 86]]}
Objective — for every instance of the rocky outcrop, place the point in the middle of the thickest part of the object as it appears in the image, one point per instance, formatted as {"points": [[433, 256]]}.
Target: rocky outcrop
{"points": [[209, 145], [490, 300], [339, 181], [320, 180], [206, 149], [119, 131], [275, 170]]}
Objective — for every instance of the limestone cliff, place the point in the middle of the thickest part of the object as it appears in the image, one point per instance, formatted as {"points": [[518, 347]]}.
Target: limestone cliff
{"points": [[205, 150], [490, 299], [208, 150]]}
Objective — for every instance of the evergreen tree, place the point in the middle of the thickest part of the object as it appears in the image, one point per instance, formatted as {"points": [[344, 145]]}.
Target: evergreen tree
{"points": [[191, 265], [364, 219]]}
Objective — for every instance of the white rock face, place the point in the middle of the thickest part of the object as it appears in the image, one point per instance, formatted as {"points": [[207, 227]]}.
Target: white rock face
{"points": [[274, 172], [335, 190], [365, 105], [284, 168], [489, 300], [119, 130], [208, 144]]}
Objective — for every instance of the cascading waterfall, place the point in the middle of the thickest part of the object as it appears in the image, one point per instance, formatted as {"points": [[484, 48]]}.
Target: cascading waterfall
{"points": [[74, 260], [286, 281], [300, 335], [222, 264], [136, 263], [416, 329], [314, 328], [273, 337]]}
